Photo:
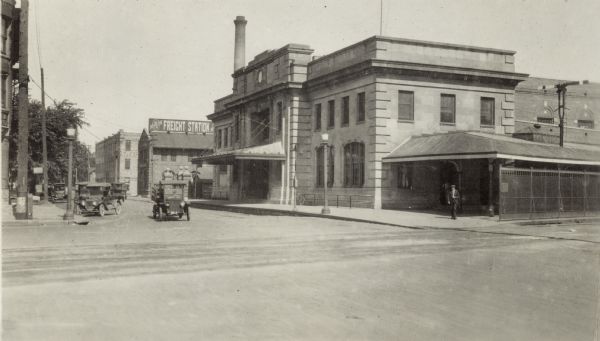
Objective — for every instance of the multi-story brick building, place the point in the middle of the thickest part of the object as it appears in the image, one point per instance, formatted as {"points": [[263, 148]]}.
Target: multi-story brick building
{"points": [[9, 55], [117, 159], [172, 144], [401, 120]]}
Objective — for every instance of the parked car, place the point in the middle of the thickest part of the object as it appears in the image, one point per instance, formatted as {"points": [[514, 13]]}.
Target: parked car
{"points": [[96, 198], [119, 190], [58, 192], [170, 199]]}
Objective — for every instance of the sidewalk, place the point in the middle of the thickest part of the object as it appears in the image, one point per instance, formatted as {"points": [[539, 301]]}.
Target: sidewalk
{"points": [[408, 219], [43, 215]]}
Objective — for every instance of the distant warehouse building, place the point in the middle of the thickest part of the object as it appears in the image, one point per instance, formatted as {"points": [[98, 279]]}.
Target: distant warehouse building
{"points": [[116, 159], [171, 144]]}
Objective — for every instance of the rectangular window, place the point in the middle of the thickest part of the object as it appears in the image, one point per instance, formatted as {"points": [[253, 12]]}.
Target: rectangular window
{"points": [[345, 110], [405, 177], [354, 164], [406, 105], [163, 155], [237, 128], [448, 109], [173, 156], [127, 145], [219, 142], [588, 124], [318, 116], [225, 137], [548, 120], [276, 70], [127, 163], [361, 107], [4, 92], [279, 117], [488, 106], [331, 114]]}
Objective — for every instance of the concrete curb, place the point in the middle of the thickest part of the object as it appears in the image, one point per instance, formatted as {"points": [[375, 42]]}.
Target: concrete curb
{"points": [[42, 223], [553, 221], [276, 212]]}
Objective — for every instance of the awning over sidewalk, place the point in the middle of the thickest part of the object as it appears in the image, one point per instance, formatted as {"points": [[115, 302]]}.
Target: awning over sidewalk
{"points": [[273, 151], [476, 145]]}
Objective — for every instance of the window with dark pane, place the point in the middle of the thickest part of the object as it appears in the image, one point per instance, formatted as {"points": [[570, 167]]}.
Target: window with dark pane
{"points": [[361, 107], [318, 116], [487, 111], [331, 114], [345, 110], [448, 108], [354, 164], [406, 105]]}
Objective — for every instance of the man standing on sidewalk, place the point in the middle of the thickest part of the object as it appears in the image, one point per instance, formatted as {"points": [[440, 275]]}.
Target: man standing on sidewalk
{"points": [[453, 200]]}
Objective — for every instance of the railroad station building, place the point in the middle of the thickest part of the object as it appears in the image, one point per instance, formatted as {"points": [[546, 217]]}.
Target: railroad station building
{"points": [[172, 144], [399, 119]]}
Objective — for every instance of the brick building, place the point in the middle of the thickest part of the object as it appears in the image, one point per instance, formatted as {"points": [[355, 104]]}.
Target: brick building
{"points": [[9, 56], [173, 144], [117, 159], [401, 119]]}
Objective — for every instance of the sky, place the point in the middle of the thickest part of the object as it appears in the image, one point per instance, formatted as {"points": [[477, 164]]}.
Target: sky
{"points": [[125, 61]]}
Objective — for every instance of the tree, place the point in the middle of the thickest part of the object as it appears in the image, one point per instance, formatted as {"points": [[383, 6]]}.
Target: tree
{"points": [[62, 115]]}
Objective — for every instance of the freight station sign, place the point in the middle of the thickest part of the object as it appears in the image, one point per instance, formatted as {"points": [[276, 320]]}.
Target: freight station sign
{"points": [[179, 126]]}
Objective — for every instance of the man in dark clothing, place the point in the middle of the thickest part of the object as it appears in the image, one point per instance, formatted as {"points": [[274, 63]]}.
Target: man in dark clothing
{"points": [[453, 200]]}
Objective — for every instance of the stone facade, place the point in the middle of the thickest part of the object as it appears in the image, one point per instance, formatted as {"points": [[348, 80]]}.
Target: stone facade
{"points": [[117, 159], [363, 79]]}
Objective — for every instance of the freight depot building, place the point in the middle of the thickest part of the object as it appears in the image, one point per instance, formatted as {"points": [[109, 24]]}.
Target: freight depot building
{"points": [[172, 144], [402, 119]]}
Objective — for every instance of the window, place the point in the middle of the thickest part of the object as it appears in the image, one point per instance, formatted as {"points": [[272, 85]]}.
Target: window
{"points": [[223, 168], [321, 162], [406, 105], [588, 124], [361, 107], [318, 116], [549, 120], [259, 76], [279, 116], [163, 155], [236, 128], [173, 156], [345, 110], [127, 164], [405, 177], [225, 137], [127, 145], [447, 109], [219, 142], [331, 114], [487, 111], [4, 92], [354, 164], [276, 70]]}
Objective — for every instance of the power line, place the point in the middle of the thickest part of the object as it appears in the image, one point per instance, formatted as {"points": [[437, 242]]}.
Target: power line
{"points": [[37, 32]]}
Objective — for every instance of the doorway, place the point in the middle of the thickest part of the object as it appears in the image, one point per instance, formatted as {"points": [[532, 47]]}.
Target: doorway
{"points": [[256, 178]]}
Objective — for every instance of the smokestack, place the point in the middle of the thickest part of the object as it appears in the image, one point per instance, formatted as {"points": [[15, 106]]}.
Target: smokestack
{"points": [[239, 52]]}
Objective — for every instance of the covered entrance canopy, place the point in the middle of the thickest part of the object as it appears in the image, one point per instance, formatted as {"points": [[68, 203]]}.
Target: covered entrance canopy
{"points": [[273, 152], [476, 145]]}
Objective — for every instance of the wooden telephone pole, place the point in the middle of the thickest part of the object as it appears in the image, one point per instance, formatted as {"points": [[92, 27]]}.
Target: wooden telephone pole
{"points": [[21, 211], [44, 146]]}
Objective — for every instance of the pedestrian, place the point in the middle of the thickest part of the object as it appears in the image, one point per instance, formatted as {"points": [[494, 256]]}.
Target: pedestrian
{"points": [[453, 200]]}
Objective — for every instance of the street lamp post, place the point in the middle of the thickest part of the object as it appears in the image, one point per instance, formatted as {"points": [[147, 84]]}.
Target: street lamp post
{"points": [[324, 143], [69, 216], [561, 90]]}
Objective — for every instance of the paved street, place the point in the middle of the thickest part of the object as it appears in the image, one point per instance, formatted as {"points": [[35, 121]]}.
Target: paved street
{"points": [[234, 276]]}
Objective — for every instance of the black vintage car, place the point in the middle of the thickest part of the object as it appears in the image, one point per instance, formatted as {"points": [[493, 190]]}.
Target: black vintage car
{"points": [[170, 200], [58, 192], [96, 198], [119, 191]]}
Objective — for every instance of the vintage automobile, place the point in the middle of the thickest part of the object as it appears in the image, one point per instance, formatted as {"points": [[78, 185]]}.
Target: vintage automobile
{"points": [[97, 198], [119, 191], [58, 192], [170, 199]]}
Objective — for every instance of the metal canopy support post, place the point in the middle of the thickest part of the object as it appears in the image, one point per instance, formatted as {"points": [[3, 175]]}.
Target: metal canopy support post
{"points": [[490, 188]]}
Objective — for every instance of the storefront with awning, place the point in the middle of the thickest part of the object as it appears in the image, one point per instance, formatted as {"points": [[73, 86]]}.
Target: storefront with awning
{"points": [[422, 167], [248, 173]]}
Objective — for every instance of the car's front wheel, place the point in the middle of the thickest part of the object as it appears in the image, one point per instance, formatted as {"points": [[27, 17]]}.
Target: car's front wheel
{"points": [[101, 210]]}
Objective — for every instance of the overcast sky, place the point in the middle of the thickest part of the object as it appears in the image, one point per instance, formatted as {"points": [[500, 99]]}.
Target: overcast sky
{"points": [[126, 61]]}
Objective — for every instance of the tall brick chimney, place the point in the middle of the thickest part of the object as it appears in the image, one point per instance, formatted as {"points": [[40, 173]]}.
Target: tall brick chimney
{"points": [[239, 52]]}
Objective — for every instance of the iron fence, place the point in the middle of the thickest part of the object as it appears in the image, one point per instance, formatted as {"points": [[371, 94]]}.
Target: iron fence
{"points": [[535, 193], [335, 200]]}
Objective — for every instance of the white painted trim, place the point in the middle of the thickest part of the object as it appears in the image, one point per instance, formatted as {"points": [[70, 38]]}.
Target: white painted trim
{"points": [[490, 155]]}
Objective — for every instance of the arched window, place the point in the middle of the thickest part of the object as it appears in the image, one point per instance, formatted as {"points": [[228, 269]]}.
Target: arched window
{"points": [[354, 164], [321, 162]]}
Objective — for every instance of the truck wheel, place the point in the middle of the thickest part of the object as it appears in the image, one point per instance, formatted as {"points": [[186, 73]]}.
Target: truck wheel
{"points": [[101, 210], [117, 209], [154, 213]]}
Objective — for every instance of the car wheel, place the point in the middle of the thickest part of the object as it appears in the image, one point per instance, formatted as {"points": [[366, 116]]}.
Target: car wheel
{"points": [[187, 213], [154, 213], [180, 215], [101, 210], [118, 209]]}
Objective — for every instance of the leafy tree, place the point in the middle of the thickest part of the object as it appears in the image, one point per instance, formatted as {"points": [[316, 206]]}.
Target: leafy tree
{"points": [[58, 117]]}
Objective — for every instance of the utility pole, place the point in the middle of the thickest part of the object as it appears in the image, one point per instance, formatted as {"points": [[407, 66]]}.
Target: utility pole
{"points": [[21, 210], [44, 145], [561, 90]]}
